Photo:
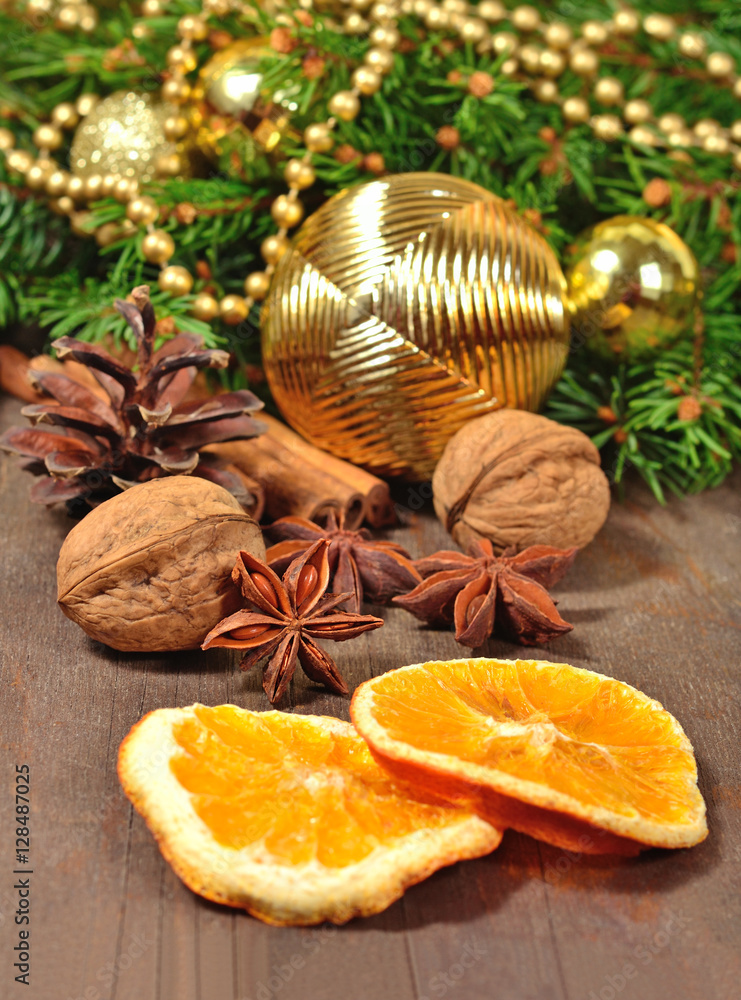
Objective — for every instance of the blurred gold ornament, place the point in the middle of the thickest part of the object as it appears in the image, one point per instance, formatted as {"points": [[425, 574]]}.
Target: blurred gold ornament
{"points": [[123, 134], [410, 305], [633, 288], [235, 119]]}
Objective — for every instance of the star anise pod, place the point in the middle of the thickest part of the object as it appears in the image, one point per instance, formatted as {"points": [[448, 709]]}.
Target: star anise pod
{"points": [[137, 426], [370, 569], [285, 617], [481, 593]]}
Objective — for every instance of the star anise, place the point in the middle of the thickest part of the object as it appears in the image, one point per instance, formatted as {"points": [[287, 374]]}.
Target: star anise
{"points": [[481, 592], [369, 568], [285, 617], [89, 444]]}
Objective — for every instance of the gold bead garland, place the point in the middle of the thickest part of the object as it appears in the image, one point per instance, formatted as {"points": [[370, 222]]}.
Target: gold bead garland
{"points": [[537, 53]]}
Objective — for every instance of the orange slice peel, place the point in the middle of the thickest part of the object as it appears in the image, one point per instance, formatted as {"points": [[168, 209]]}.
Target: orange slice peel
{"points": [[287, 816], [572, 757]]}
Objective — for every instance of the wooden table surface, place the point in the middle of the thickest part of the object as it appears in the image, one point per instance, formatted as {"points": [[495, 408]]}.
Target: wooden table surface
{"points": [[655, 601]]}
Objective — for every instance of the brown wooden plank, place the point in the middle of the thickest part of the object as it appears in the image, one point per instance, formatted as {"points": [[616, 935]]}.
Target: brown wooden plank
{"points": [[655, 601]]}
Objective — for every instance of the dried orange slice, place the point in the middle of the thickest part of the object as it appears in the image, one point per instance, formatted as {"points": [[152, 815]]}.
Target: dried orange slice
{"points": [[285, 815], [574, 758]]}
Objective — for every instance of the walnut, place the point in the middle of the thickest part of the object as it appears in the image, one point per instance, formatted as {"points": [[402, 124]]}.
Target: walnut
{"points": [[150, 569], [520, 479]]}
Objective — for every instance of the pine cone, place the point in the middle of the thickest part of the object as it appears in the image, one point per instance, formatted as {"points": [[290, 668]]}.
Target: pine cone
{"points": [[94, 446]]}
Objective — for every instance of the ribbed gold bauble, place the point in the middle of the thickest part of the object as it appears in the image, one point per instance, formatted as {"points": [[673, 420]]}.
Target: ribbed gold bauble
{"points": [[123, 134], [633, 286], [410, 305], [235, 119]]}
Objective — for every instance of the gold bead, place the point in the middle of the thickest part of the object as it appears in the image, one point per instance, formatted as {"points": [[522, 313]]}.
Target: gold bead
{"points": [[355, 24], [143, 209], [525, 18], [595, 32], [607, 127], [76, 188], [80, 223], [19, 160], [299, 174], [386, 12], [318, 138], [504, 41], [584, 62], [379, 59], [529, 55], [720, 65], [420, 8], [48, 137], [626, 22], [168, 165], [63, 205], [491, 11], [85, 104], [106, 234], [56, 183], [436, 19], [176, 90], [193, 28], [609, 91], [38, 174], [256, 285], [552, 63], [558, 35], [737, 159], [65, 115], [509, 67], [7, 140], [124, 189], [345, 105], [205, 307], [366, 80], [680, 137], [175, 279], [39, 10], [642, 135], [707, 126], [94, 187], [671, 122], [141, 30], [175, 126], [735, 130], [362, 5], [68, 17], [455, 6], [637, 112], [272, 248], [220, 8], [152, 8], [717, 144], [158, 246], [659, 26], [88, 18], [575, 110], [287, 212], [109, 185], [546, 91], [233, 310], [385, 37], [181, 58], [473, 30], [692, 45]]}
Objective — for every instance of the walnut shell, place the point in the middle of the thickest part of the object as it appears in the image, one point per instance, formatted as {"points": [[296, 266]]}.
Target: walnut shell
{"points": [[150, 569], [520, 479]]}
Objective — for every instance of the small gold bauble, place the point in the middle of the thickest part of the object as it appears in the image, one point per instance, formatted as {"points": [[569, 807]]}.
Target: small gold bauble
{"points": [[175, 279], [607, 127], [124, 189], [175, 126], [643, 135], [38, 174], [287, 211], [659, 26], [181, 58], [706, 127], [367, 80], [356, 24], [205, 307], [143, 209], [152, 8], [106, 234], [410, 305], [737, 88], [193, 28], [717, 144], [345, 105], [609, 91], [168, 165], [237, 120], [272, 248], [385, 37], [299, 174], [109, 185], [626, 22], [88, 18], [529, 55], [233, 310], [56, 183], [551, 62], [720, 65], [48, 137], [94, 187], [504, 41], [576, 110], [7, 139], [85, 104], [65, 115], [80, 223], [158, 247], [123, 134], [671, 122], [379, 59], [595, 32], [256, 285], [68, 17], [62, 206], [318, 138], [637, 112], [525, 18], [633, 286], [546, 91], [176, 90], [692, 45], [735, 131], [559, 35], [19, 160], [492, 11], [471, 30], [76, 188], [584, 62]]}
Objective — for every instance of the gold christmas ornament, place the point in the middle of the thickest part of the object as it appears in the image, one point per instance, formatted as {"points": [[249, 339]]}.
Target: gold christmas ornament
{"points": [[633, 288], [235, 119], [124, 134], [410, 305]]}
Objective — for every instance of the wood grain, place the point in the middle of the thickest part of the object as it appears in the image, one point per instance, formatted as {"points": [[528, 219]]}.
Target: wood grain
{"points": [[655, 601]]}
